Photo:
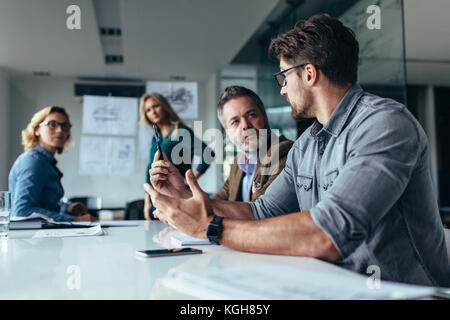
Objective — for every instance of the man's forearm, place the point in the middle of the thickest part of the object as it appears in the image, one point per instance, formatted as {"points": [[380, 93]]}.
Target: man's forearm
{"points": [[232, 209], [292, 234]]}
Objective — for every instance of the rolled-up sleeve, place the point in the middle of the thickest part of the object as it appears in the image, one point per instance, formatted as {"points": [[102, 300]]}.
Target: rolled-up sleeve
{"points": [[381, 155], [280, 197]]}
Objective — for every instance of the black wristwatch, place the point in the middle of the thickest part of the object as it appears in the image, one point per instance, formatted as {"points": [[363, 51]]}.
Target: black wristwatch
{"points": [[215, 229]]}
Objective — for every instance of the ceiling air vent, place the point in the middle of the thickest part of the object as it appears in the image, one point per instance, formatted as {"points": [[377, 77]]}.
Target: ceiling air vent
{"points": [[113, 59], [108, 16], [112, 32]]}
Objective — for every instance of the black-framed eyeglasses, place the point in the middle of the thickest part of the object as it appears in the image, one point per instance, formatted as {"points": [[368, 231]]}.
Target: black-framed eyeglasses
{"points": [[280, 77], [53, 124]]}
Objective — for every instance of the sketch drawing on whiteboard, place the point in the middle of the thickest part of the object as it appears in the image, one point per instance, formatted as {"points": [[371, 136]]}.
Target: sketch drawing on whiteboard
{"points": [[182, 96], [179, 98], [106, 156], [105, 113], [110, 115], [124, 153]]}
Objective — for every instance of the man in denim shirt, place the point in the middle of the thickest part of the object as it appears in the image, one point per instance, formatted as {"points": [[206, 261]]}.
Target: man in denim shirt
{"points": [[356, 189]]}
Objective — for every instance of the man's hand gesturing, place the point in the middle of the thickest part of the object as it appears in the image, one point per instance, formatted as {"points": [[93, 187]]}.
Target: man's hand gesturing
{"points": [[191, 215], [166, 178]]}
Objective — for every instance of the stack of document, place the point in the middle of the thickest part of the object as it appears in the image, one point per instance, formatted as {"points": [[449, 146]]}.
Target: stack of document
{"points": [[182, 239], [284, 282], [40, 221], [78, 232], [33, 221]]}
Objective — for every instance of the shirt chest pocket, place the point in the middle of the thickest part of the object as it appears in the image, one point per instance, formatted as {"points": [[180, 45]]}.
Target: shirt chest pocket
{"points": [[329, 179], [304, 191]]}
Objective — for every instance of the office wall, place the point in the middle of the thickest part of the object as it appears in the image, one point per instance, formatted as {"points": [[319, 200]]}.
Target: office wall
{"points": [[209, 93], [31, 94], [212, 179], [4, 129]]}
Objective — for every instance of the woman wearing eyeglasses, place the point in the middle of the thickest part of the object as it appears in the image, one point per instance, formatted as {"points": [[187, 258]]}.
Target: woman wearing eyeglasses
{"points": [[34, 179]]}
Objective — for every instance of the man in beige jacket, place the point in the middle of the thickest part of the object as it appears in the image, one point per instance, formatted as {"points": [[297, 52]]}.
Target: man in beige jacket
{"points": [[262, 153]]}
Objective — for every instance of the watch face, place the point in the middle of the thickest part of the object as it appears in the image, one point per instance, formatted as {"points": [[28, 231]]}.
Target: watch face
{"points": [[213, 232]]}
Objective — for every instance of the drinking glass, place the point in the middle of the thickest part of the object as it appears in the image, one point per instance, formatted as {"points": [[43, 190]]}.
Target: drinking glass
{"points": [[5, 211]]}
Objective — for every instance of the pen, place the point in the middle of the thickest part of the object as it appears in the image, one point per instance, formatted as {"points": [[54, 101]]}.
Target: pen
{"points": [[158, 140]]}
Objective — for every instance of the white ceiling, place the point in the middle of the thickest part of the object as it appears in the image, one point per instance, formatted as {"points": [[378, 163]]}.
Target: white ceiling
{"points": [[427, 41], [160, 38], [190, 38]]}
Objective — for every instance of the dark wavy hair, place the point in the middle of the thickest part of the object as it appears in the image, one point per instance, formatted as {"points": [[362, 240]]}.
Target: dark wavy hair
{"points": [[324, 42]]}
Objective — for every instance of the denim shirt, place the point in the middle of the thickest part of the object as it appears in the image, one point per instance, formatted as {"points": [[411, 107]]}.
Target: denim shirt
{"points": [[35, 185], [365, 178]]}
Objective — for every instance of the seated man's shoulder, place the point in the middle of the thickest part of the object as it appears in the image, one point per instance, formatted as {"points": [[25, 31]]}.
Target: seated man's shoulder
{"points": [[385, 118], [382, 108]]}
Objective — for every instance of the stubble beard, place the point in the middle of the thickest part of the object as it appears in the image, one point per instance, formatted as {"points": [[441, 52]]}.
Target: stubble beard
{"points": [[303, 109]]}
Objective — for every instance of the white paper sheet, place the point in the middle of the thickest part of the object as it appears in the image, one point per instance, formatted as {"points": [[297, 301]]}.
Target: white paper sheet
{"points": [[75, 232], [182, 96], [284, 282], [101, 156], [110, 115], [107, 224], [185, 240], [34, 215]]}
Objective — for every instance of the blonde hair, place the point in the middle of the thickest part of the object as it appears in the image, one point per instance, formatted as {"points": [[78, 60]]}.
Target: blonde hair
{"points": [[174, 119], [29, 138]]}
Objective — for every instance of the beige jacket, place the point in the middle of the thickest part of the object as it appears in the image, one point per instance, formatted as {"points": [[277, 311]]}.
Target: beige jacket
{"points": [[231, 189]]}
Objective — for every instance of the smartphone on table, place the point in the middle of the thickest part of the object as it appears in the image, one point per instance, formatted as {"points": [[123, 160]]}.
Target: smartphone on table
{"points": [[167, 252]]}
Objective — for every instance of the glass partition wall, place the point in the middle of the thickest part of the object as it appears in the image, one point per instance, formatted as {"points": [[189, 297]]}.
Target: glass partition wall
{"points": [[378, 26], [379, 29]]}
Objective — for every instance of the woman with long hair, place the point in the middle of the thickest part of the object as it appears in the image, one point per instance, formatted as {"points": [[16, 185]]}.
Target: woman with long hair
{"points": [[177, 139]]}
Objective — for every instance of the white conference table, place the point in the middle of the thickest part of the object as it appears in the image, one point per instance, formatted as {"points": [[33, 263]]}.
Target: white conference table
{"points": [[108, 267]]}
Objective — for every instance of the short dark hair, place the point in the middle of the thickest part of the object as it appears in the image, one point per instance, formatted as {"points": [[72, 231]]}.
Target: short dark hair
{"points": [[324, 42], [234, 92]]}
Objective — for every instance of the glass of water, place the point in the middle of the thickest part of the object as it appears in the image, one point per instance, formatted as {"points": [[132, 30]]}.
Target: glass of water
{"points": [[5, 211]]}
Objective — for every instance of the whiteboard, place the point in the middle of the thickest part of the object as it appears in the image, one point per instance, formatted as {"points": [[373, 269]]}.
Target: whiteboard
{"points": [[182, 96], [107, 156], [110, 115], [145, 141]]}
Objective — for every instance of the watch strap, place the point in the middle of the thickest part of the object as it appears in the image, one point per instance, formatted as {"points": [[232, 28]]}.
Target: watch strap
{"points": [[214, 231]]}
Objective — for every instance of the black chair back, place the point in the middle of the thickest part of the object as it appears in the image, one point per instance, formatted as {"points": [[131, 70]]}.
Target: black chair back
{"points": [[134, 210]]}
